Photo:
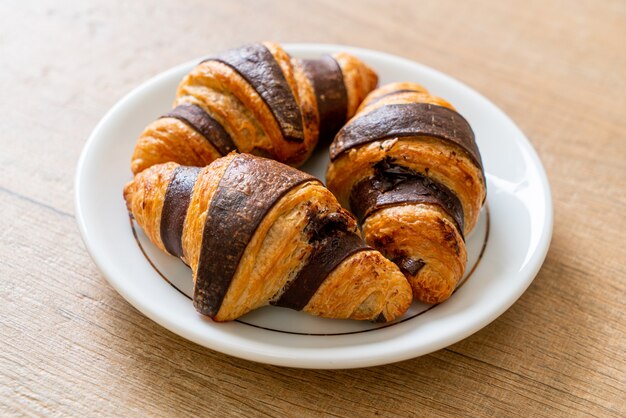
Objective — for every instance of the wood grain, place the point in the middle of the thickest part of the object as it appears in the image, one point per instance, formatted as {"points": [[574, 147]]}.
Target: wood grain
{"points": [[71, 346]]}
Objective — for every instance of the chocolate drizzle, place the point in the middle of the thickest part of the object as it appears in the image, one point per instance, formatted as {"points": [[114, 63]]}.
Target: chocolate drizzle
{"points": [[205, 125], [393, 185], [330, 93], [175, 205], [256, 64], [247, 191], [402, 120], [332, 244]]}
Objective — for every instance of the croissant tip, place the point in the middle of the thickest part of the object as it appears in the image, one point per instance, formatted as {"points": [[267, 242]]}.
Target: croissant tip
{"points": [[129, 190]]}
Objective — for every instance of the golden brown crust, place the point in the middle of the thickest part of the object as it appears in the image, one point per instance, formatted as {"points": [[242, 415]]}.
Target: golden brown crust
{"points": [[391, 88], [228, 98], [144, 198], [446, 164], [397, 93], [359, 79], [359, 287], [170, 139], [403, 98], [203, 192], [310, 115], [286, 65], [363, 286], [275, 253], [424, 233]]}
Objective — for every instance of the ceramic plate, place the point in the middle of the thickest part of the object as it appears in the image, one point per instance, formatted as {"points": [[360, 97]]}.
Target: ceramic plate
{"points": [[505, 250]]}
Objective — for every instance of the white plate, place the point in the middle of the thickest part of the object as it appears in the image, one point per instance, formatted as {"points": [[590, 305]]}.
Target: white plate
{"points": [[505, 251]]}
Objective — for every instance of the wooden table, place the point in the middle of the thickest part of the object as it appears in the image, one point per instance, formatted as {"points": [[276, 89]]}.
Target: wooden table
{"points": [[71, 345]]}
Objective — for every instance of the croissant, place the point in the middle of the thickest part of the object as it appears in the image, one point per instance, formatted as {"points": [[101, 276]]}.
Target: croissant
{"points": [[259, 100], [257, 232], [408, 167]]}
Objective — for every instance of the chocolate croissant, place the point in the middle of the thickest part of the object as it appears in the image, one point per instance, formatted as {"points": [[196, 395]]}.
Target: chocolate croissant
{"points": [[257, 232], [408, 167], [258, 100]]}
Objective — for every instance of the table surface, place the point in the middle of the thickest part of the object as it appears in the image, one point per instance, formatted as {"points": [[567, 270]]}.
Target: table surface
{"points": [[71, 345]]}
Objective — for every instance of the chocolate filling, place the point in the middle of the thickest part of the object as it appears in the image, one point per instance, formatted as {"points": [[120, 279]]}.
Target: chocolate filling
{"points": [[175, 205], [330, 93], [380, 318], [332, 244], [202, 122], [256, 64], [393, 185], [402, 120], [247, 191], [409, 265]]}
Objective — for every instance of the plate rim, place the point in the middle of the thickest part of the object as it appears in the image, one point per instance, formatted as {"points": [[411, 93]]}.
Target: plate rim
{"points": [[263, 356]]}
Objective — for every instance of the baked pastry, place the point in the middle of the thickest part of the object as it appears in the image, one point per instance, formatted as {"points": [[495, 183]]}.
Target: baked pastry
{"points": [[408, 167], [257, 232], [259, 100]]}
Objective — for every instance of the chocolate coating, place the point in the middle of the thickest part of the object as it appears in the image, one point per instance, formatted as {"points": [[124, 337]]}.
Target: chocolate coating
{"points": [[175, 205], [256, 64], [330, 93], [247, 191], [402, 120], [202, 122], [327, 254], [394, 185]]}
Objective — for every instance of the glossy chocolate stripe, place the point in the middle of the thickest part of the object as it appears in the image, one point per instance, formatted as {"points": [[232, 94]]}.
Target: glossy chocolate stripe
{"points": [[247, 191], [175, 205], [402, 120], [394, 185], [330, 93], [256, 64], [327, 254], [206, 126]]}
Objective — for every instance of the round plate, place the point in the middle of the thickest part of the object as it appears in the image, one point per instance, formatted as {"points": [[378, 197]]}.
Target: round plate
{"points": [[505, 250]]}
